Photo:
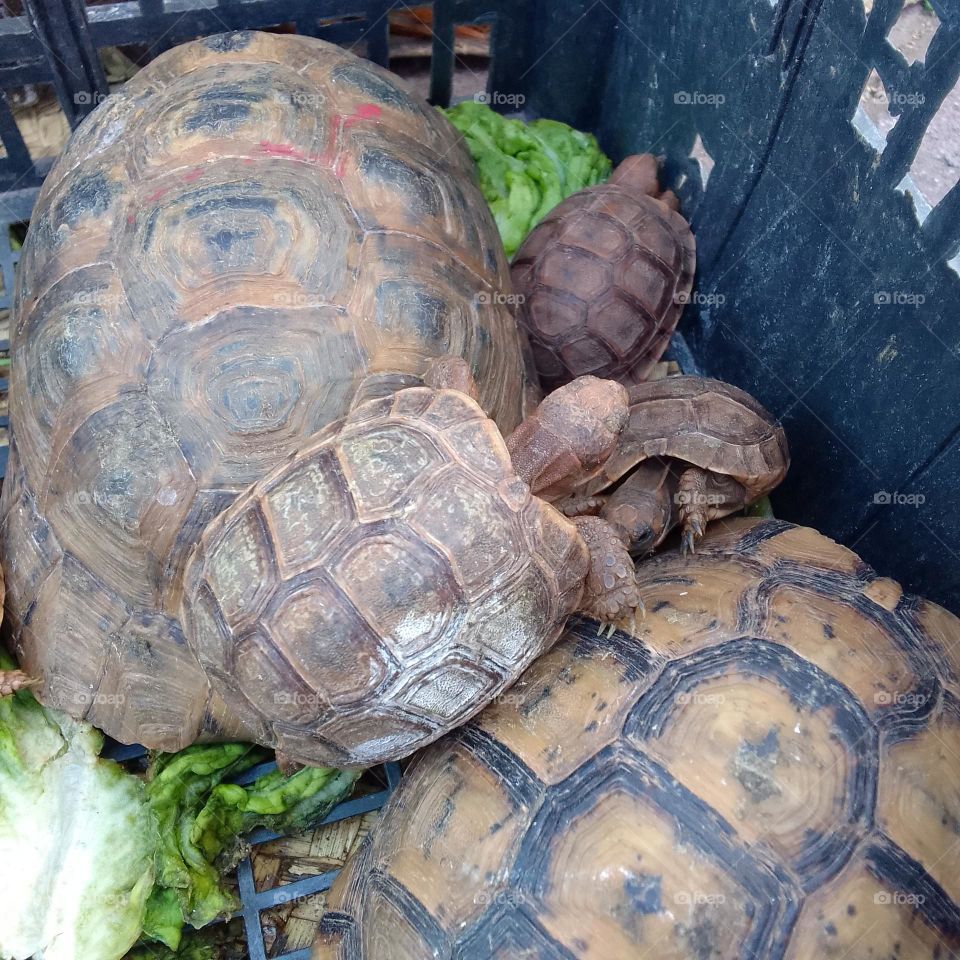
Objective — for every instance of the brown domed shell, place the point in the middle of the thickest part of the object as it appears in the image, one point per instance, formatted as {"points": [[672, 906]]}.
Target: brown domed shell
{"points": [[706, 423], [230, 244], [769, 768], [382, 586], [602, 281]]}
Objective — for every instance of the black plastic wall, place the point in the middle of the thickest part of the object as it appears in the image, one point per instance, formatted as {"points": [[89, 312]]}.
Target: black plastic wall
{"points": [[818, 289]]}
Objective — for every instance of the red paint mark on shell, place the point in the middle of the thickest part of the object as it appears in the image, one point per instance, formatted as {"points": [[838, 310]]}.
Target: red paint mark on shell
{"points": [[281, 150], [157, 194], [194, 174], [338, 123], [130, 219], [367, 111]]}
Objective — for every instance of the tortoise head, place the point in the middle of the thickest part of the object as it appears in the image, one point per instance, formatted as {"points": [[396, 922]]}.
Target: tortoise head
{"points": [[570, 436], [638, 174], [641, 508]]}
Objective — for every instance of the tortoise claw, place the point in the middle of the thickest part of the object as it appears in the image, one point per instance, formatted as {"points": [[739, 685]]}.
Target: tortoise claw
{"points": [[693, 528], [13, 680]]}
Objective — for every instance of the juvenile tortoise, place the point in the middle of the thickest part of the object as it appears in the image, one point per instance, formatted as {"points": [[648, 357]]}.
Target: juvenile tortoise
{"points": [[397, 573], [694, 450], [249, 233], [768, 769], [602, 280]]}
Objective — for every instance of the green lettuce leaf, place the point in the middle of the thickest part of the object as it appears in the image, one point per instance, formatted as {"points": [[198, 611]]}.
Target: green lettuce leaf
{"points": [[201, 819], [526, 169], [77, 840], [92, 859]]}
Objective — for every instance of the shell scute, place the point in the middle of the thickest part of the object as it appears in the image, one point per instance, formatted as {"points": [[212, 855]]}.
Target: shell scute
{"points": [[724, 782], [470, 522], [328, 641], [384, 465], [407, 593], [307, 509]]}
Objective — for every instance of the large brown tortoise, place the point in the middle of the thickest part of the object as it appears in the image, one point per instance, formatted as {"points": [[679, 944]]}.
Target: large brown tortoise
{"points": [[254, 232], [768, 769]]}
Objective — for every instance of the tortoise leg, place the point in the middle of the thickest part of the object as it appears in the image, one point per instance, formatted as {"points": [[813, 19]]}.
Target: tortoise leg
{"points": [[13, 680], [569, 437], [575, 506], [704, 496], [451, 373], [610, 592]]}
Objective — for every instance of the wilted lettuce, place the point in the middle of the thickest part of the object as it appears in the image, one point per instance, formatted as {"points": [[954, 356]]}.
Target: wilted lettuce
{"points": [[77, 840], [92, 858], [526, 169], [201, 817]]}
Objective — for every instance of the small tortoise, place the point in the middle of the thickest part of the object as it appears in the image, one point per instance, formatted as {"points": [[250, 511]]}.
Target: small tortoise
{"points": [[695, 450], [769, 769], [397, 573], [603, 279], [254, 230]]}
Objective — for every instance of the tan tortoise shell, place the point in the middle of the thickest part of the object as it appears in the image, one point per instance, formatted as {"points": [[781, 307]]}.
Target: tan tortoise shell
{"points": [[383, 585], [770, 769], [228, 246], [706, 423]]}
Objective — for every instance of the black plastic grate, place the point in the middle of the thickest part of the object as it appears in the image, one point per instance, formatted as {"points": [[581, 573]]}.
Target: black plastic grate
{"points": [[56, 42]]}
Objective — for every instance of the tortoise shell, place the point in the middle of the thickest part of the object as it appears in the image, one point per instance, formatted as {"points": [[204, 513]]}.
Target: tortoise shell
{"points": [[382, 586], [705, 423], [601, 283], [769, 769], [228, 246]]}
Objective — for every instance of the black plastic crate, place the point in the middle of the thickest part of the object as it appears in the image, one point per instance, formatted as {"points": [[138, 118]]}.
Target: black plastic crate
{"points": [[824, 282]]}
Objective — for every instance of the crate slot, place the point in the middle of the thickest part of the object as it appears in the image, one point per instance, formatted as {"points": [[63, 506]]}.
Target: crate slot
{"points": [[913, 31], [934, 172], [874, 111], [703, 161]]}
